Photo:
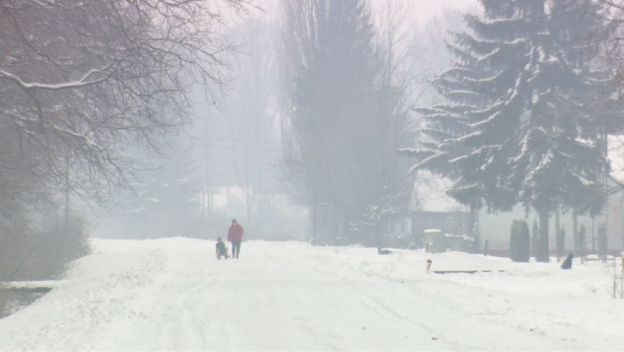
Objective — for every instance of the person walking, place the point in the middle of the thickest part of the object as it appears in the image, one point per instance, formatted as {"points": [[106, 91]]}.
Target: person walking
{"points": [[235, 236]]}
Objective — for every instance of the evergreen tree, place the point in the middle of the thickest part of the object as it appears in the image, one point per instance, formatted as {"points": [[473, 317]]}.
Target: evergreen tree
{"points": [[518, 123], [334, 118]]}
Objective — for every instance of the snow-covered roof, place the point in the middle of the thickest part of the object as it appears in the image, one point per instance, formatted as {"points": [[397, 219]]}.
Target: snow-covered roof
{"points": [[430, 194], [432, 231], [430, 190], [615, 153]]}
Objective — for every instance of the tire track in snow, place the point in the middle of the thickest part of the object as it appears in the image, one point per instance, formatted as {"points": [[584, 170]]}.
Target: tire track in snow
{"points": [[427, 289], [441, 318], [351, 287]]}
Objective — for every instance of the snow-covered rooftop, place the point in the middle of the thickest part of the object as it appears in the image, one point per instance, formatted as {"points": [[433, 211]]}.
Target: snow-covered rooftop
{"points": [[615, 147], [430, 194], [430, 190]]}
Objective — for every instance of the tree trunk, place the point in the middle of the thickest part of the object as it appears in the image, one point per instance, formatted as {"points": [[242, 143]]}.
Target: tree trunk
{"points": [[557, 232], [67, 190], [543, 239], [314, 221], [207, 180], [575, 244], [593, 235], [248, 208], [378, 233], [472, 227]]}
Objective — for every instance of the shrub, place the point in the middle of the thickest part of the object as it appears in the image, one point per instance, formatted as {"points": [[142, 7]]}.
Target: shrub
{"points": [[42, 251]]}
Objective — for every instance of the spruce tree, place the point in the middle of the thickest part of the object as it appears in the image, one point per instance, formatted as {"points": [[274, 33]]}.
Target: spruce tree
{"points": [[335, 119], [517, 126]]}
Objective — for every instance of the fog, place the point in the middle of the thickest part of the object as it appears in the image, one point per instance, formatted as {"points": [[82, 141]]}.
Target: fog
{"points": [[311, 174], [331, 122], [230, 161]]}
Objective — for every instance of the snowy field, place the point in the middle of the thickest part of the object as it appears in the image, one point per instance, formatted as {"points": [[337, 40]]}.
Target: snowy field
{"points": [[172, 294]]}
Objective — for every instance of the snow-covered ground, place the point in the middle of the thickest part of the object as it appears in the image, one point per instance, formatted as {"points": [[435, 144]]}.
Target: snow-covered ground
{"points": [[172, 294]]}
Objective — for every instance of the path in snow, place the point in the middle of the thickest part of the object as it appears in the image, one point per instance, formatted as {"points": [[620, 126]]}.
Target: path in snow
{"points": [[172, 294]]}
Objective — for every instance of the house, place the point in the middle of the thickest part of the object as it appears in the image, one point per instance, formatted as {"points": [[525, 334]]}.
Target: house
{"points": [[434, 209], [615, 186]]}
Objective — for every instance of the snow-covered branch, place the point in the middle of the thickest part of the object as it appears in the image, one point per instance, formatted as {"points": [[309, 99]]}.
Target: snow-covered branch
{"points": [[85, 80]]}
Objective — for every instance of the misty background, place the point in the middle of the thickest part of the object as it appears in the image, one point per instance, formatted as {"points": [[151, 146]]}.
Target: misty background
{"points": [[230, 161], [335, 122]]}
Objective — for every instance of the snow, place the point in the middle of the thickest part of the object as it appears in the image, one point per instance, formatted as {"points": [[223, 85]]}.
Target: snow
{"points": [[616, 157], [430, 191], [81, 82], [30, 284], [172, 294]]}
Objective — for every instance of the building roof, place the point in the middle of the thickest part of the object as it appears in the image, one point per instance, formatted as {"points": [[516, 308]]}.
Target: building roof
{"points": [[430, 190], [615, 153], [430, 194]]}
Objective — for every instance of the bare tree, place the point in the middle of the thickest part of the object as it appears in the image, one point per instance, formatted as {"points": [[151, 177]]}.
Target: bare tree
{"points": [[83, 80]]}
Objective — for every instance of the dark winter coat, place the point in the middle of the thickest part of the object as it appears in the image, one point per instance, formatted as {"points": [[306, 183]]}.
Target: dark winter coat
{"points": [[221, 249]]}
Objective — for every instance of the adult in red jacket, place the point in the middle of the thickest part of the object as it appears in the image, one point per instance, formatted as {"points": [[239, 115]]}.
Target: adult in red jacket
{"points": [[235, 236]]}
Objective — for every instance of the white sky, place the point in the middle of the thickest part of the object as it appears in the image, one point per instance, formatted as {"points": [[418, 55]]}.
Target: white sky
{"points": [[423, 10]]}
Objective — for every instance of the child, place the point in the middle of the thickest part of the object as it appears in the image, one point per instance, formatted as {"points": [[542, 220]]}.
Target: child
{"points": [[221, 249]]}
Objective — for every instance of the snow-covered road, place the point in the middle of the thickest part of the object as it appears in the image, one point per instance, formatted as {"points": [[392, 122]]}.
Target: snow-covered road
{"points": [[171, 294]]}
